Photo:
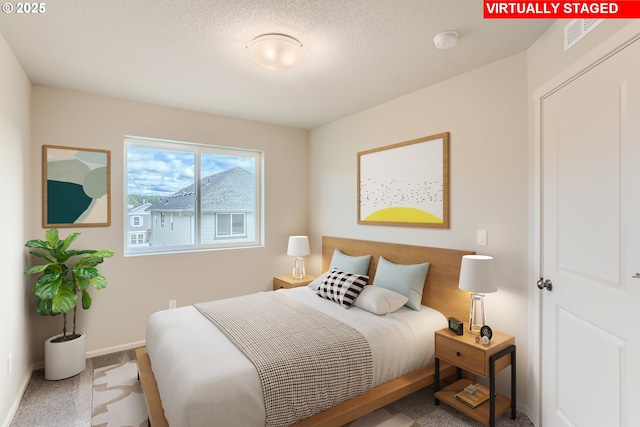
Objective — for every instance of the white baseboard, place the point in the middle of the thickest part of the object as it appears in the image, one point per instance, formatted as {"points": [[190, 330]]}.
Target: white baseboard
{"points": [[115, 349], [102, 352], [40, 365], [16, 403]]}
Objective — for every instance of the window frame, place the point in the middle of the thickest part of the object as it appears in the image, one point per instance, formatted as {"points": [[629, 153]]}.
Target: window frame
{"points": [[226, 242]]}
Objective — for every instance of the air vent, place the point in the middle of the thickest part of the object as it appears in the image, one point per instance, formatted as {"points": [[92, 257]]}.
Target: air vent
{"points": [[577, 29]]}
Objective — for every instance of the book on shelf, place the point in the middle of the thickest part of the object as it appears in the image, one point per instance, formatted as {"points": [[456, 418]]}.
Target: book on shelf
{"points": [[479, 396]]}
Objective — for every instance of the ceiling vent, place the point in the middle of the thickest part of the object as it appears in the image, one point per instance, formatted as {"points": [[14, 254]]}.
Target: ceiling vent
{"points": [[577, 29]]}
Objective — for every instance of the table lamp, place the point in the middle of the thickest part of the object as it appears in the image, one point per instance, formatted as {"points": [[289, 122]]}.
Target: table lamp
{"points": [[298, 247], [477, 277]]}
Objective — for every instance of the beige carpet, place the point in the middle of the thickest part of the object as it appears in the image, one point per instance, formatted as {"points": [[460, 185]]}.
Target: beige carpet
{"points": [[117, 397], [118, 402]]}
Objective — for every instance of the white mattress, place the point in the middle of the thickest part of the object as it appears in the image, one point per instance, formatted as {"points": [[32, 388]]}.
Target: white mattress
{"points": [[202, 377]]}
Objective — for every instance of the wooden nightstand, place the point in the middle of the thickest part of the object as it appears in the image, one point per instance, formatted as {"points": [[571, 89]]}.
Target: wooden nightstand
{"points": [[287, 281], [463, 352]]}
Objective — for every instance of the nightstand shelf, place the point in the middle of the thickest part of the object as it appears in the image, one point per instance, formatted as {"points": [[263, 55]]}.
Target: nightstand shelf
{"points": [[287, 281], [476, 359], [479, 413]]}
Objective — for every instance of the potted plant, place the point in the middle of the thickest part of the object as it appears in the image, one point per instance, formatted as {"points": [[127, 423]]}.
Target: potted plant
{"points": [[62, 279]]}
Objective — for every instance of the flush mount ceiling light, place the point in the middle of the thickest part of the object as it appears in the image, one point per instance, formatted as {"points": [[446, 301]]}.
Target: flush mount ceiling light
{"points": [[445, 40], [276, 51]]}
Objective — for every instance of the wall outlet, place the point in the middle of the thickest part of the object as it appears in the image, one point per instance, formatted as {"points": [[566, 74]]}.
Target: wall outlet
{"points": [[172, 303], [9, 365]]}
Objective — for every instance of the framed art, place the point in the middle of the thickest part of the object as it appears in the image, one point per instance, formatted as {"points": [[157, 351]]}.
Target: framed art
{"points": [[76, 190], [405, 184]]}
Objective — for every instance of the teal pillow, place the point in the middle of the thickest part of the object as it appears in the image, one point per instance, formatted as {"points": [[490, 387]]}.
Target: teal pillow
{"points": [[405, 279], [350, 264]]}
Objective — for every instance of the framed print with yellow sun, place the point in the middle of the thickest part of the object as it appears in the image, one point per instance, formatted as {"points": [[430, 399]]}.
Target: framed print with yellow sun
{"points": [[405, 184]]}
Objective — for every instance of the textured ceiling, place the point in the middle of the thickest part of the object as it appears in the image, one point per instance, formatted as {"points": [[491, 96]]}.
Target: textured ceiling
{"points": [[191, 53]]}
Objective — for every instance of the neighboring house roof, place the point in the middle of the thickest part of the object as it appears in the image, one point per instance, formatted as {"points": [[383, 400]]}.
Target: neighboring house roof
{"points": [[231, 190], [139, 209]]}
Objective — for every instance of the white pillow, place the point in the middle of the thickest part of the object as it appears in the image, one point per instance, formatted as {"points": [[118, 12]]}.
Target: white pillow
{"points": [[315, 284], [379, 300]]}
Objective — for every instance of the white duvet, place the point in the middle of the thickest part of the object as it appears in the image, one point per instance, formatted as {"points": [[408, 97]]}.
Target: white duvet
{"points": [[204, 380]]}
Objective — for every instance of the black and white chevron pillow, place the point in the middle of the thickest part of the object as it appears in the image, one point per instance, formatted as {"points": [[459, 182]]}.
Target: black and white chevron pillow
{"points": [[342, 287]]}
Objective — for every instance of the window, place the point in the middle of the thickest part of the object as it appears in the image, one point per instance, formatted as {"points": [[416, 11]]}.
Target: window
{"points": [[231, 224], [223, 211], [136, 239]]}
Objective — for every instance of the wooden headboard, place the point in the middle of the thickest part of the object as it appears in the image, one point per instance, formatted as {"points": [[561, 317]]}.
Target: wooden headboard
{"points": [[441, 290]]}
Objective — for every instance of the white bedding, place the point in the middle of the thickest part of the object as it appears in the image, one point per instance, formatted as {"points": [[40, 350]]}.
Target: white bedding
{"points": [[202, 377]]}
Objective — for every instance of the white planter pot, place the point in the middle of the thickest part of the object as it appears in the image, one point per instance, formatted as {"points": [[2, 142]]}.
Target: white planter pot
{"points": [[64, 359]]}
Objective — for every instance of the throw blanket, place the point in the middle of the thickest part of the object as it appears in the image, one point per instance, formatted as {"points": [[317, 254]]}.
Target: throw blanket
{"points": [[307, 361]]}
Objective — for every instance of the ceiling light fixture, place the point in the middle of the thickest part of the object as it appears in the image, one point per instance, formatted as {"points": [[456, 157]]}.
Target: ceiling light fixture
{"points": [[445, 40], [276, 51]]}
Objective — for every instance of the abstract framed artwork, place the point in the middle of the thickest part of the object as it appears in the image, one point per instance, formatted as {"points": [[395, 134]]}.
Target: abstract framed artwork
{"points": [[405, 184], [76, 190]]}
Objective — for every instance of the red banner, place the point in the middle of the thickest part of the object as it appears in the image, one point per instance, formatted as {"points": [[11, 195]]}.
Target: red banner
{"points": [[561, 9]]}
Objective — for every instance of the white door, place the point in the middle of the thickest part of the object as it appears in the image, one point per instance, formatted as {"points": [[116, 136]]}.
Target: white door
{"points": [[591, 247]]}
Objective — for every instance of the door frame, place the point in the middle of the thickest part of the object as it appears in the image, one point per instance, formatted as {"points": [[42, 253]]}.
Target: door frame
{"points": [[600, 53]]}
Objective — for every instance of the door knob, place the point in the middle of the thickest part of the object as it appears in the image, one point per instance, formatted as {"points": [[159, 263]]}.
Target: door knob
{"points": [[636, 276], [542, 284]]}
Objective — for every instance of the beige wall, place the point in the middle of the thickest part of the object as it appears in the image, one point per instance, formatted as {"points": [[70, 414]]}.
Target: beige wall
{"points": [[485, 112], [138, 286], [14, 174], [488, 112], [546, 58]]}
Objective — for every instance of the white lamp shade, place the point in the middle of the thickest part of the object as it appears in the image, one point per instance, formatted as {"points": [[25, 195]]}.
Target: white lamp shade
{"points": [[298, 246], [477, 274]]}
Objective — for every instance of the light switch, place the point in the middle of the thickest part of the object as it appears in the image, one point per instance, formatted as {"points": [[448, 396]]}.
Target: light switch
{"points": [[482, 237]]}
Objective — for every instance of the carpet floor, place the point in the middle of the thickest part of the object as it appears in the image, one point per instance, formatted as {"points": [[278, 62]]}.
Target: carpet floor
{"points": [[107, 394], [118, 402]]}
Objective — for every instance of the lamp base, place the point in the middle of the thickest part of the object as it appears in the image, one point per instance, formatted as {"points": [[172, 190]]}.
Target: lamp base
{"points": [[477, 316], [298, 268]]}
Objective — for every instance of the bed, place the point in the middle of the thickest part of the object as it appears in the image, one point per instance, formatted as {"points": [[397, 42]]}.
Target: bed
{"points": [[172, 355]]}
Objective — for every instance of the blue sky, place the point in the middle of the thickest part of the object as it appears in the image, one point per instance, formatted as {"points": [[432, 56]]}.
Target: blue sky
{"points": [[162, 172]]}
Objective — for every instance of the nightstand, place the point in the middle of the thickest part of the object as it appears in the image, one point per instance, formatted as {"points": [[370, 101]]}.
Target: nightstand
{"points": [[287, 281], [478, 359]]}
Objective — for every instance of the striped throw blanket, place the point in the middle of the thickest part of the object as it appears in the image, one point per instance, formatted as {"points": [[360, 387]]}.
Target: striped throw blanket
{"points": [[307, 361]]}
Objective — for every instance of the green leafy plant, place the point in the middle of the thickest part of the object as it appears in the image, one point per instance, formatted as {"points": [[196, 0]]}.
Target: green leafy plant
{"points": [[59, 284]]}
